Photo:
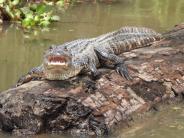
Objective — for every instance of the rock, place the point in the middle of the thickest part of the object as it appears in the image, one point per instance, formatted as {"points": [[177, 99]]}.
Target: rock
{"points": [[61, 107]]}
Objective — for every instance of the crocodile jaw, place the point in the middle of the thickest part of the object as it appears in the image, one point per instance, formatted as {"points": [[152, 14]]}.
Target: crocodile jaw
{"points": [[59, 74], [58, 67], [59, 70]]}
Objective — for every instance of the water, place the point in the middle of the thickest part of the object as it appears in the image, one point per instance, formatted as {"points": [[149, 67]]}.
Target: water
{"points": [[169, 123], [21, 51]]}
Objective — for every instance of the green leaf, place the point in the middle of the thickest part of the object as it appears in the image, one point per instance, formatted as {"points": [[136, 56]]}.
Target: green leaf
{"points": [[41, 8], [15, 2], [60, 3], [33, 7], [9, 11], [37, 18], [44, 23], [30, 15], [55, 18], [47, 17], [17, 13], [2, 1], [27, 22], [50, 3], [26, 10]]}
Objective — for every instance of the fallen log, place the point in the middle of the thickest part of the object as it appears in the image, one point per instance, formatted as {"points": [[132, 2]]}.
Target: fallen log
{"points": [[59, 106]]}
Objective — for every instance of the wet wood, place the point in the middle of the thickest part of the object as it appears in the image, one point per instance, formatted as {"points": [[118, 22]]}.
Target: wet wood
{"points": [[60, 106]]}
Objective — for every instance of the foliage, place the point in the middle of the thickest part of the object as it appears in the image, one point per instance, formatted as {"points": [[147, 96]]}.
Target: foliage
{"points": [[30, 13]]}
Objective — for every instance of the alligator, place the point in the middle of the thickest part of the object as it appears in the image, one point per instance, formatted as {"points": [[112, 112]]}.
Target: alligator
{"points": [[87, 55]]}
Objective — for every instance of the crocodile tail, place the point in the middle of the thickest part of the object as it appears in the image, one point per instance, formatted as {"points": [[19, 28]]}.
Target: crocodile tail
{"points": [[138, 42], [136, 37], [137, 30]]}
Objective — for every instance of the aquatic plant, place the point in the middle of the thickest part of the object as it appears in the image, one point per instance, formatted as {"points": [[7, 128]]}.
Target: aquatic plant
{"points": [[29, 13]]}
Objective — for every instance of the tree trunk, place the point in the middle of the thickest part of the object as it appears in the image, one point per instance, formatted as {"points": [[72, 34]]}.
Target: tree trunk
{"points": [[59, 106]]}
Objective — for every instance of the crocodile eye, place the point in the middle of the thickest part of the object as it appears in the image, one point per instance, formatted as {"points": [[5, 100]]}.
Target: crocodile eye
{"points": [[52, 47]]}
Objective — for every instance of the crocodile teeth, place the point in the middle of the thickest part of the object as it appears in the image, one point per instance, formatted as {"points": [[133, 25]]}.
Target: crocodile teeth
{"points": [[57, 63]]}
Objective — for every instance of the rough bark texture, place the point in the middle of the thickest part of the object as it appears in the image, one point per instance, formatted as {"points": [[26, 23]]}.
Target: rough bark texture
{"points": [[59, 106]]}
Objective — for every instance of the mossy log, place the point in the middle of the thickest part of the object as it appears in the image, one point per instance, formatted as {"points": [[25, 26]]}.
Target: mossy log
{"points": [[59, 106]]}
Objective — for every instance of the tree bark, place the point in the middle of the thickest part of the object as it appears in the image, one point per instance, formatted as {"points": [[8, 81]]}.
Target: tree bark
{"points": [[59, 106]]}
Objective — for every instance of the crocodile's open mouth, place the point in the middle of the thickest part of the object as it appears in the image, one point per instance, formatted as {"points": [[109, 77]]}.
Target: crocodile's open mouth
{"points": [[57, 61], [59, 68]]}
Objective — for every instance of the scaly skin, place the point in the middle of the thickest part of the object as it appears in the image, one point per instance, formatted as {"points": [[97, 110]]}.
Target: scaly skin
{"points": [[86, 55]]}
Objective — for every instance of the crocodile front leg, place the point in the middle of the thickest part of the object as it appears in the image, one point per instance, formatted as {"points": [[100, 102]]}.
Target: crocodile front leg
{"points": [[108, 58], [94, 71], [35, 73]]}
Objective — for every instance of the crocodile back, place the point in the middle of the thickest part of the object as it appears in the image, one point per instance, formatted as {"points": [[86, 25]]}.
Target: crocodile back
{"points": [[127, 38]]}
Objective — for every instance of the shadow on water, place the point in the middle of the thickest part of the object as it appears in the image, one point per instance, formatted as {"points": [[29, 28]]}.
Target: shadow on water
{"points": [[20, 51]]}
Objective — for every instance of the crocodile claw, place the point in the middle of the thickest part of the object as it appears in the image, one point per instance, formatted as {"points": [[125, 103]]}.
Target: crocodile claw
{"points": [[24, 79], [123, 71], [96, 75], [27, 78]]}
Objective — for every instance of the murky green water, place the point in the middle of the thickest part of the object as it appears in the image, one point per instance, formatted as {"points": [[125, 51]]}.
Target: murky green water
{"points": [[167, 123], [19, 51]]}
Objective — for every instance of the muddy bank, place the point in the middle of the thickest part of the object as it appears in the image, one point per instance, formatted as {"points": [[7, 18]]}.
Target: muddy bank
{"points": [[64, 107]]}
